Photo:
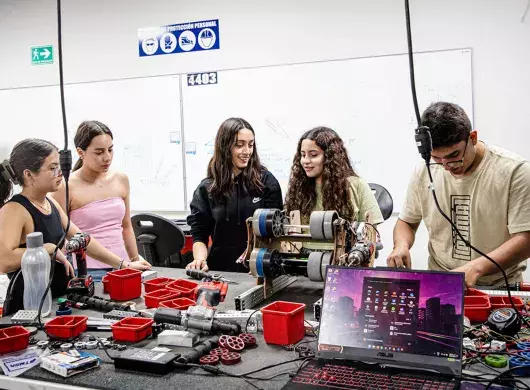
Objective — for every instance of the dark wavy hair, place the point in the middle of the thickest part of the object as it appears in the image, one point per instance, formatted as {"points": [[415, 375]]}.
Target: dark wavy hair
{"points": [[220, 169], [301, 194]]}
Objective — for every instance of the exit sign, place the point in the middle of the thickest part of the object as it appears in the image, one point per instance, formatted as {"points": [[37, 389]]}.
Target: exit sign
{"points": [[41, 55]]}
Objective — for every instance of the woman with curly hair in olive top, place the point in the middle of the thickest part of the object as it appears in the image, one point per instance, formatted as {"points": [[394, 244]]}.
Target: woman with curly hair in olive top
{"points": [[322, 178]]}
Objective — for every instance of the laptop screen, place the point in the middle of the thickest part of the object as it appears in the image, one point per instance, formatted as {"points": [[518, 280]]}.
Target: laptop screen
{"points": [[391, 315]]}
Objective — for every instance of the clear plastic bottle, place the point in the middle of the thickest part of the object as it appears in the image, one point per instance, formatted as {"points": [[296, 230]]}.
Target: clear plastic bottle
{"points": [[36, 266]]}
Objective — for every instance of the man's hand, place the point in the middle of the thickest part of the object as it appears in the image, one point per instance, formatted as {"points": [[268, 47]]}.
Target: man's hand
{"points": [[399, 257], [198, 264], [472, 273]]}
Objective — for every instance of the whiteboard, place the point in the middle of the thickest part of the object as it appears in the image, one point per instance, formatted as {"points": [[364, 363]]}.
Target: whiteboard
{"points": [[143, 114], [367, 101]]}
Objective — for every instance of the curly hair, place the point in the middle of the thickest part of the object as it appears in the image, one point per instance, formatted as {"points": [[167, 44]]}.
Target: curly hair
{"points": [[301, 194], [220, 166]]}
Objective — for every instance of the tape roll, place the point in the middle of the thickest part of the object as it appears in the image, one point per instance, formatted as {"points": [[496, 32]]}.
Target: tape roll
{"points": [[523, 345], [80, 345], [91, 345], [516, 361], [497, 361], [66, 347]]}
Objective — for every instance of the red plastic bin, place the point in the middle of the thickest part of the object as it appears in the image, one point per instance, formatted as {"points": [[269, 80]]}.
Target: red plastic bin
{"points": [[501, 302], [13, 339], [283, 322], [153, 299], [105, 282], [156, 284], [66, 327], [471, 292], [477, 308], [186, 287], [132, 329], [124, 284], [179, 303]]}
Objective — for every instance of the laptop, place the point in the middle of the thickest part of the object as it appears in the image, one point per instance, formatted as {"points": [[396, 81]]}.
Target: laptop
{"points": [[387, 328]]}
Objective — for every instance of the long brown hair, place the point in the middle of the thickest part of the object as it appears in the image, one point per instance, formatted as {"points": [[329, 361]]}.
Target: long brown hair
{"points": [[86, 132], [301, 194], [220, 168]]}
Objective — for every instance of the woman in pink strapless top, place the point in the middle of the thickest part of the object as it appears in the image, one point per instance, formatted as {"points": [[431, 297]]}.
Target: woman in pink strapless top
{"points": [[99, 199]]}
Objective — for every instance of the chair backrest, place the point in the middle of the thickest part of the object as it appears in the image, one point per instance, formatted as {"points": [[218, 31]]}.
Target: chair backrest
{"points": [[384, 199], [158, 239]]}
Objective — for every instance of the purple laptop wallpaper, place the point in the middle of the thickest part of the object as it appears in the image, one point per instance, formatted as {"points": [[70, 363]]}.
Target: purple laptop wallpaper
{"points": [[392, 311]]}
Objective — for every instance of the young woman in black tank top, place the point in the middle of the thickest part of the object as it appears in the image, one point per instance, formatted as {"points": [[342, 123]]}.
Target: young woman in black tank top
{"points": [[34, 164]]}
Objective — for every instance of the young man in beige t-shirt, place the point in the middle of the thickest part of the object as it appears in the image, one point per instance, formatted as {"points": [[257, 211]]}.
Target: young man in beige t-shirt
{"points": [[485, 191]]}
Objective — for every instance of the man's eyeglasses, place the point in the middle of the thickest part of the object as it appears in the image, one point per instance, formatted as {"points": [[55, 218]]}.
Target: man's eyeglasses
{"points": [[451, 164]]}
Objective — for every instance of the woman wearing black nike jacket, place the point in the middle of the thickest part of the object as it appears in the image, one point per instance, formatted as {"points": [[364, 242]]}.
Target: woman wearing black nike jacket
{"points": [[236, 185]]}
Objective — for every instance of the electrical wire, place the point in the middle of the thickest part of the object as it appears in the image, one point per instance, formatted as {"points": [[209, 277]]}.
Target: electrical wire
{"points": [[418, 118], [498, 377], [65, 162], [248, 320]]}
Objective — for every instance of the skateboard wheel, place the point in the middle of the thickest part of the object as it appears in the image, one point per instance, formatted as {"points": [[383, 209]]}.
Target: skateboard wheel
{"points": [[209, 360], [231, 358], [235, 344], [248, 339], [219, 351]]}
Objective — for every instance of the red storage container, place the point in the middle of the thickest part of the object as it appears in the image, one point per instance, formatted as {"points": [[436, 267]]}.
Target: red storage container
{"points": [[500, 302], [179, 303], [153, 299], [124, 284], [477, 308], [156, 284], [105, 282], [13, 339], [283, 322], [186, 287], [132, 329], [66, 327], [471, 292]]}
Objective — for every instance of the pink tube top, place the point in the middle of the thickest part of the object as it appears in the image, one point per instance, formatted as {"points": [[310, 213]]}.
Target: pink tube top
{"points": [[103, 219]]}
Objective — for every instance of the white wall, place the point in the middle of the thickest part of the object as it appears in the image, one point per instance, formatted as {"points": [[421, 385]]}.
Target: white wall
{"points": [[100, 43]]}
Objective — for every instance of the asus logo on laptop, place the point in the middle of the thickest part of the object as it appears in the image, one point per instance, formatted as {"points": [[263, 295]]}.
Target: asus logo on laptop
{"points": [[385, 354]]}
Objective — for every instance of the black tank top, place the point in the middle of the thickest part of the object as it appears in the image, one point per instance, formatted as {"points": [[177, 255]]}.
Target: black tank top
{"points": [[52, 230]]}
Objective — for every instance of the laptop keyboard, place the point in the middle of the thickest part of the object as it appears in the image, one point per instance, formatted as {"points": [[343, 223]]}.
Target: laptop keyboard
{"points": [[345, 377]]}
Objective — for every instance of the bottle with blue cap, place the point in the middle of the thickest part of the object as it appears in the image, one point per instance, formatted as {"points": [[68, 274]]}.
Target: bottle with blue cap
{"points": [[36, 266]]}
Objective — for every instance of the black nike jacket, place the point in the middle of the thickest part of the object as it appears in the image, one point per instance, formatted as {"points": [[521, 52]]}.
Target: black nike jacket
{"points": [[225, 223]]}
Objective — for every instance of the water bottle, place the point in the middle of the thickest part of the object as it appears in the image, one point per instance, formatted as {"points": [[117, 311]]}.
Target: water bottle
{"points": [[36, 266]]}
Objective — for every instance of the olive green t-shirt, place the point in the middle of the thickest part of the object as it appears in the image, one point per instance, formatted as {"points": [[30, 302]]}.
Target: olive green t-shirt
{"points": [[363, 200]]}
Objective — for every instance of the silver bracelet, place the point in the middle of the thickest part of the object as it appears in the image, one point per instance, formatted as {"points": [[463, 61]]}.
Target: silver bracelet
{"points": [[121, 264]]}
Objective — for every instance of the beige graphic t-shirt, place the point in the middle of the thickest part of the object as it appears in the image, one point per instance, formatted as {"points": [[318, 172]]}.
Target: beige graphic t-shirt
{"points": [[487, 206]]}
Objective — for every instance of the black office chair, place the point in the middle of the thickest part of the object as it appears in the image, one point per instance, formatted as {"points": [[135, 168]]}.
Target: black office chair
{"points": [[159, 240], [384, 199]]}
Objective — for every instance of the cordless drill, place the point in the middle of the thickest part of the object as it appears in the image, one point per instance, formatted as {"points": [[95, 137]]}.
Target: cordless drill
{"points": [[210, 294], [83, 284]]}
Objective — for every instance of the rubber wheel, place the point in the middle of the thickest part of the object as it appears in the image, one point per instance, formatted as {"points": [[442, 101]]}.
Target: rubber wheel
{"points": [[321, 224], [267, 223], [261, 263], [316, 265]]}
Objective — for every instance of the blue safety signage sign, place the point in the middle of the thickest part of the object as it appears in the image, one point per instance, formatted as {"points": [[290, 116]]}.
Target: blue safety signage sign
{"points": [[179, 38]]}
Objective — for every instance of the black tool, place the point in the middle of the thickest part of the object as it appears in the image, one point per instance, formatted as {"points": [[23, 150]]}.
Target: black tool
{"points": [[199, 317], [83, 283], [206, 276], [98, 303], [200, 350], [504, 321]]}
